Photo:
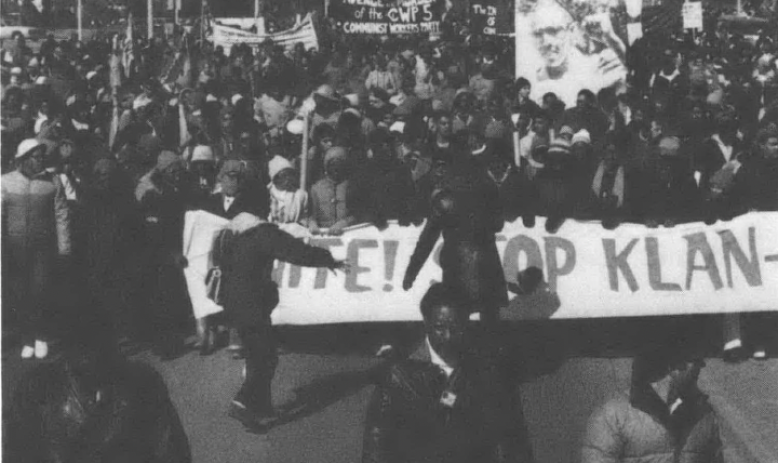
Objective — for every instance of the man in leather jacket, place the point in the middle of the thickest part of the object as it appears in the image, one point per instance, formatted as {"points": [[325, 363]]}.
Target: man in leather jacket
{"points": [[92, 406], [445, 403]]}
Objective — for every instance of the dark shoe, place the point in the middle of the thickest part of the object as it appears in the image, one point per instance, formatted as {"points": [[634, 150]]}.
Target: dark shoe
{"points": [[169, 350], [208, 346], [255, 421], [734, 355]]}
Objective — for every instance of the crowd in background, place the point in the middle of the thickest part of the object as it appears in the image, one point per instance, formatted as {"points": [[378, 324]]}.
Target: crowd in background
{"points": [[126, 138]]}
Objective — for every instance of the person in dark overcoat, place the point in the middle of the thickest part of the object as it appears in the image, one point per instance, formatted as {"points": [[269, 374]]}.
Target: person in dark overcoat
{"points": [[467, 213], [250, 295], [446, 403]]}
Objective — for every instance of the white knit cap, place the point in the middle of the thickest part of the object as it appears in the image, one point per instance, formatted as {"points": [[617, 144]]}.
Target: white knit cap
{"points": [[202, 153], [26, 147], [235, 98], [277, 164], [582, 136]]}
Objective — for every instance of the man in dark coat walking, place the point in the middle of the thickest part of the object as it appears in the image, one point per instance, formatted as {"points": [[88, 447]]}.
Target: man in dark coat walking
{"points": [[445, 403], [250, 295]]}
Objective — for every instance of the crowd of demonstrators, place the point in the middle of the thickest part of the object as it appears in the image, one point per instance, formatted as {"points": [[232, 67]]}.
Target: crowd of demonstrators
{"points": [[106, 146], [125, 138]]}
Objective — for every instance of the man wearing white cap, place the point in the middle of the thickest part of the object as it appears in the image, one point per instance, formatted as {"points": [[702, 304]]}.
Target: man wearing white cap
{"points": [[36, 229]]}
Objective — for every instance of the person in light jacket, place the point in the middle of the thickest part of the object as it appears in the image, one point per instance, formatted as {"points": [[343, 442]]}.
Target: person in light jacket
{"points": [[36, 230]]}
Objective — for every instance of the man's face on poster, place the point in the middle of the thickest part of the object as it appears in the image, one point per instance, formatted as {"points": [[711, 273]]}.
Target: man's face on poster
{"points": [[550, 27]]}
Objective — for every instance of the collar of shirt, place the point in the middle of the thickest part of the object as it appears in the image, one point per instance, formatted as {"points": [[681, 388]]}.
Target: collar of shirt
{"points": [[438, 361], [675, 405], [228, 200]]}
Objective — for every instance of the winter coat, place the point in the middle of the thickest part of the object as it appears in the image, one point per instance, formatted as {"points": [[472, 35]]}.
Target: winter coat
{"points": [[35, 212], [408, 422], [469, 257], [131, 419], [640, 429], [250, 294]]}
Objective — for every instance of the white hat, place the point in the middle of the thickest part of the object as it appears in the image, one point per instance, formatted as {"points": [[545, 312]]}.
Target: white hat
{"points": [[27, 147], [141, 102], [353, 99], [70, 100], [34, 63], [41, 80], [17, 71], [210, 98], [397, 127], [202, 153], [295, 126], [235, 98], [582, 136], [90, 75], [277, 164]]}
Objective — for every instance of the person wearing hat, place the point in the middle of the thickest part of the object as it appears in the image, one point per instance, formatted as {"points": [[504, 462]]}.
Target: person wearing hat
{"points": [[230, 198], [202, 167], [327, 107], [332, 198], [288, 203], [36, 234], [161, 197]]}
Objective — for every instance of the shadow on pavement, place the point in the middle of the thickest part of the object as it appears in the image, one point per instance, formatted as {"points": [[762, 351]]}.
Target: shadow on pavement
{"points": [[323, 392]]}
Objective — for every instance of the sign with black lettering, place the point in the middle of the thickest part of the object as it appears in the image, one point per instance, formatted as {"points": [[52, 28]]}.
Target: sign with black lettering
{"points": [[386, 17], [491, 17]]}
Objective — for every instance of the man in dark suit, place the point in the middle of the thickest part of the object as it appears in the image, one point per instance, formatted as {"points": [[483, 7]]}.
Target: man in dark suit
{"points": [[444, 403], [232, 198]]}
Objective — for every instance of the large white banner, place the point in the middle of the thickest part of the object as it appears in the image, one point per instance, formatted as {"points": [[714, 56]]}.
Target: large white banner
{"points": [[564, 46], [588, 272]]}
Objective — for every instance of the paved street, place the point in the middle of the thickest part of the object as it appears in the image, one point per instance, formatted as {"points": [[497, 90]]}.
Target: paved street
{"points": [[324, 398]]}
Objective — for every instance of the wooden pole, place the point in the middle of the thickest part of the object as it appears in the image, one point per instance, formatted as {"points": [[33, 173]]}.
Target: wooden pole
{"points": [[80, 21], [150, 19], [304, 158]]}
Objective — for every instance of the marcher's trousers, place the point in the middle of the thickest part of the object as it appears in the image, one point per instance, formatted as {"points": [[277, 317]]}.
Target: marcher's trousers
{"points": [[259, 347]]}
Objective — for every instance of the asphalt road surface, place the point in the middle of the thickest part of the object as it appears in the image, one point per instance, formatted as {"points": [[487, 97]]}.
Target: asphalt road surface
{"points": [[323, 398]]}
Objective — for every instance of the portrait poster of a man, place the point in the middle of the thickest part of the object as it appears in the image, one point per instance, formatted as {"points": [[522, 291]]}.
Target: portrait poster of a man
{"points": [[564, 46]]}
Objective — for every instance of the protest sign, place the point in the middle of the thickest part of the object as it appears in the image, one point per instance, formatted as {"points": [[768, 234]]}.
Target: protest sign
{"points": [[385, 17], [491, 17], [559, 47], [592, 272], [228, 33], [589, 272], [200, 228], [692, 15]]}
